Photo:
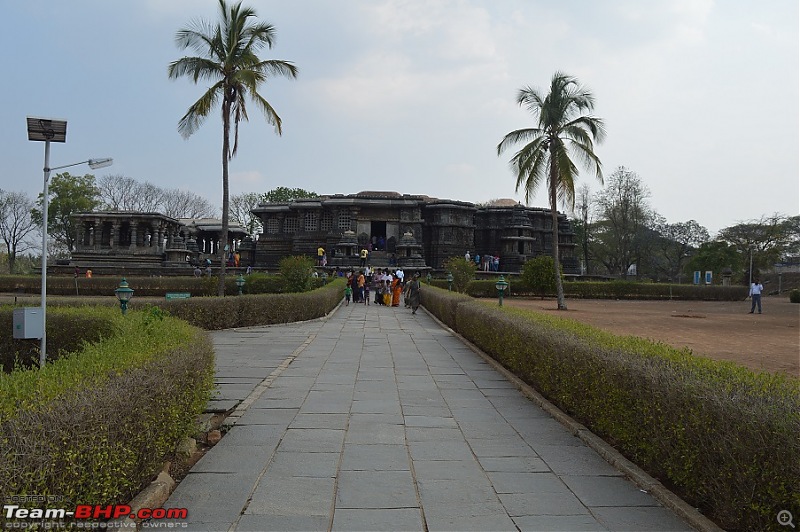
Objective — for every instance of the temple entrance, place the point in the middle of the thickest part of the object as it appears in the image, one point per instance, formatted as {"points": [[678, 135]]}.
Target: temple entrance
{"points": [[377, 232]]}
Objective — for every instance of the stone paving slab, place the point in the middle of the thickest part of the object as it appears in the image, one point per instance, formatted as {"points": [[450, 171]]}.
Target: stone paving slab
{"points": [[385, 421]]}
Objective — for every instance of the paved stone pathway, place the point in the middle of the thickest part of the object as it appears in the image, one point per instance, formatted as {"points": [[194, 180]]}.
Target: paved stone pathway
{"points": [[375, 419]]}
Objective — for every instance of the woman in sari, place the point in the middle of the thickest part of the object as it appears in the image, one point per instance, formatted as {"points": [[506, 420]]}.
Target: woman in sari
{"points": [[397, 290]]}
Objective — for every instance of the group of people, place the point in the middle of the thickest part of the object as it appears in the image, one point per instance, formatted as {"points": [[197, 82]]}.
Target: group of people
{"points": [[487, 263], [388, 287]]}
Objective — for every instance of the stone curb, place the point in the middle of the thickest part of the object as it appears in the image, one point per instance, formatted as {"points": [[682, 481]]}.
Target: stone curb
{"points": [[633, 472], [153, 496]]}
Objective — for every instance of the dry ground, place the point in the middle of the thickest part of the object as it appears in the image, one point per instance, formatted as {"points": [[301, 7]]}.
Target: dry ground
{"points": [[721, 330]]}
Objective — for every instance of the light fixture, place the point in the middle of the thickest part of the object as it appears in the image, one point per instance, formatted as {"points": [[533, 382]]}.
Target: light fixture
{"points": [[501, 286], [124, 293]]}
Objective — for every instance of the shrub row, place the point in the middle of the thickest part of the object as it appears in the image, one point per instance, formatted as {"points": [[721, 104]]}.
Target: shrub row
{"points": [[256, 283], [67, 331], [96, 426], [614, 290], [726, 437], [214, 313]]}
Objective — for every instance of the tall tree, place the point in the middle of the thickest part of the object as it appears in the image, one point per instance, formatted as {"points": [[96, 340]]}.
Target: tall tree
{"points": [[624, 218], [769, 238], [229, 59], [69, 194], [562, 131], [16, 224], [242, 206], [177, 203], [677, 242]]}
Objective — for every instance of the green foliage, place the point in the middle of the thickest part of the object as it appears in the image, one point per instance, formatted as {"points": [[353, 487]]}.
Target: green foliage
{"points": [[214, 313], [68, 195], [463, 271], [68, 330], [726, 437], [296, 272], [108, 414], [539, 275], [794, 296], [716, 257], [285, 195]]}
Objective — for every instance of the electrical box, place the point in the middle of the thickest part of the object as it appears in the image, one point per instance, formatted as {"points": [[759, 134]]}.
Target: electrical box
{"points": [[28, 322]]}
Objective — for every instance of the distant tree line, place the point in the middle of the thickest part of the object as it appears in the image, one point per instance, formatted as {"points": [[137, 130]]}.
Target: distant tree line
{"points": [[619, 234]]}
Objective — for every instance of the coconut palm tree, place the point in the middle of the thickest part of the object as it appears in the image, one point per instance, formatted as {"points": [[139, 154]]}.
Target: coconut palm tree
{"points": [[229, 60], [562, 131]]}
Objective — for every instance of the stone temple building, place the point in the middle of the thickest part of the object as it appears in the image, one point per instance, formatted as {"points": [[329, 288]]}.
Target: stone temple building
{"points": [[407, 230], [410, 231]]}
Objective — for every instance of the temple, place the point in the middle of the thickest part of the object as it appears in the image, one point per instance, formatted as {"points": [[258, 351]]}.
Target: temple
{"points": [[410, 231]]}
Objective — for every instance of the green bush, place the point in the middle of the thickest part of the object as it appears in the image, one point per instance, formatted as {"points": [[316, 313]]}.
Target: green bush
{"points": [[727, 438], [96, 426], [296, 272], [538, 274], [612, 290], [67, 331], [215, 313], [463, 272], [794, 296]]}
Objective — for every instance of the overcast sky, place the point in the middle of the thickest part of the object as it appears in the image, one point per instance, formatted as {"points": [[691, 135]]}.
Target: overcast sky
{"points": [[700, 97]]}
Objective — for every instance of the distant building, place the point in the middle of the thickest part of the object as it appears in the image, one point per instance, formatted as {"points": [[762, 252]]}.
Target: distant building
{"points": [[414, 230], [411, 231]]}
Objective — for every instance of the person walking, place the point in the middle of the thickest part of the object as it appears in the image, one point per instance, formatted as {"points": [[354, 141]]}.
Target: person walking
{"points": [[413, 293], [755, 294]]}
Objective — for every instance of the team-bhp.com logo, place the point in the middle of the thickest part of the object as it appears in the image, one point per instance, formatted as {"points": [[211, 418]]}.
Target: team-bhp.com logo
{"points": [[87, 512]]}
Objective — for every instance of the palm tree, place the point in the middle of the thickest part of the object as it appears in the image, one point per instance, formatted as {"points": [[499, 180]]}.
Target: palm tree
{"points": [[562, 131], [229, 59]]}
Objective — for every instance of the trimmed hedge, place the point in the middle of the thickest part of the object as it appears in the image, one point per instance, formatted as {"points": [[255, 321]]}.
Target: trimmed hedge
{"points": [[96, 426], [67, 331], [615, 290], [214, 313], [726, 437], [255, 283]]}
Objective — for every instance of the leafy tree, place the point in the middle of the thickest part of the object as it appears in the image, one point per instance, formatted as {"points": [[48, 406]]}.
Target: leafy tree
{"points": [[285, 194], [16, 225], [242, 206], [561, 129], [623, 219], [463, 271], [229, 61], [676, 243], [770, 238], [68, 195], [715, 256], [538, 274]]}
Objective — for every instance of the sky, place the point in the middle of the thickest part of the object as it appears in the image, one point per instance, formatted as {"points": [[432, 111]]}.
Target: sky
{"points": [[699, 97]]}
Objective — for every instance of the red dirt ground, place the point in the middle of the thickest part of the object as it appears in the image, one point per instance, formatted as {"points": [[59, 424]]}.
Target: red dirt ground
{"points": [[721, 330]]}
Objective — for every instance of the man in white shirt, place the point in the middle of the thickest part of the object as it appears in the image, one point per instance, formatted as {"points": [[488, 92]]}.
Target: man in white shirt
{"points": [[755, 293]]}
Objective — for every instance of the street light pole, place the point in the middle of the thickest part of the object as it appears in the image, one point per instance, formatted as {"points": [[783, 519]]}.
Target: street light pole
{"points": [[45, 191], [51, 130]]}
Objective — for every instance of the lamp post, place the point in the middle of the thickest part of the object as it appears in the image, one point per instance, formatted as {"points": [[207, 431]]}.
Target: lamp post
{"points": [[240, 283], [501, 286], [124, 293], [49, 130], [450, 281]]}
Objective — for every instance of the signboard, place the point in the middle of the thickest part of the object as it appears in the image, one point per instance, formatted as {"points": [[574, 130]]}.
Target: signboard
{"points": [[708, 277], [697, 277], [178, 295]]}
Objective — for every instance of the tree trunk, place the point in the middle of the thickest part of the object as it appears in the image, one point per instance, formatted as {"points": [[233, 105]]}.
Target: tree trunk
{"points": [[223, 241], [562, 305]]}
